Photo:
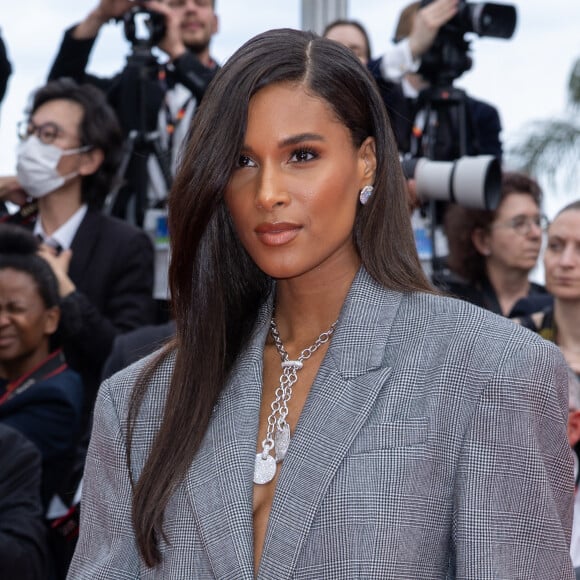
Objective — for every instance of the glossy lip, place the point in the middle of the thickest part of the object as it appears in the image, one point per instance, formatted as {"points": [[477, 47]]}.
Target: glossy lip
{"points": [[277, 234]]}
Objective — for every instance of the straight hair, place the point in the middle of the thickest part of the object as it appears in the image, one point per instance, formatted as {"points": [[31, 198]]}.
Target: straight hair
{"points": [[216, 288]]}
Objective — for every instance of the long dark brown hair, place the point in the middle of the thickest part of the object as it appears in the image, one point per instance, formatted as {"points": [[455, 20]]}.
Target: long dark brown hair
{"points": [[216, 289]]}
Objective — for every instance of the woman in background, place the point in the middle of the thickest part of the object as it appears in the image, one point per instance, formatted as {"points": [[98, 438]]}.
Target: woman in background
{"points": [[491, 253], [560, 323], [39, 395]]}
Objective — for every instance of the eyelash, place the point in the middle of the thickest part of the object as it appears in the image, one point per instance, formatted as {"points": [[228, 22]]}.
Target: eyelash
{"points": [[304, 151], [243, 161], [297, 156]]}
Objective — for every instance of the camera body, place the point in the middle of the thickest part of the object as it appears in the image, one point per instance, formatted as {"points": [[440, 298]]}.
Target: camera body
{"points": [[448, 57], [144, 28]]}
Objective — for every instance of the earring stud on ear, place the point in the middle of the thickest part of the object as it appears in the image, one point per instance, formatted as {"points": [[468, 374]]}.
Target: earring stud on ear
{"points": [[365, 193]]}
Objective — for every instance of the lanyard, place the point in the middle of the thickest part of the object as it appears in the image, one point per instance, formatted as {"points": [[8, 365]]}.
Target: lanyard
{"points": [[172, 122], [52, 365]]}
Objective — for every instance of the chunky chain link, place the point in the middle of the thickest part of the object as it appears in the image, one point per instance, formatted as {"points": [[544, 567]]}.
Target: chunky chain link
{"points": [[288, 378]]}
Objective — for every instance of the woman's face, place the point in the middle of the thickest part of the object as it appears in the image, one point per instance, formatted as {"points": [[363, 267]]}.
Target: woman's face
{"points": [[25, 322], [562, 256], [514, 239], [293, 197]]}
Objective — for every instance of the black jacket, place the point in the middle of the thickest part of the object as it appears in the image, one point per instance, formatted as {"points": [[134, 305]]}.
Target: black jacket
{"points": [[23, 543], [136, 94], [112, 269], [483, 125]]}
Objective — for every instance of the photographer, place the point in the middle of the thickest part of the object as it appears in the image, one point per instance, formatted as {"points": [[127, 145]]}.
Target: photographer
{"points": [[483, 126], [171, 92]]}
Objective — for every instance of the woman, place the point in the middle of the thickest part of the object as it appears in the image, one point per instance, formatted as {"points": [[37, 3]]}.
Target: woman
{"points": [[493, 252], [303, 317], [560, 323], [39, 395]]}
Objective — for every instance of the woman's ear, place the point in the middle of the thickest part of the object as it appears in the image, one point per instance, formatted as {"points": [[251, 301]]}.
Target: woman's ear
{"points": [[51, 320], [480, 239], [91, 161], [368, 161]]}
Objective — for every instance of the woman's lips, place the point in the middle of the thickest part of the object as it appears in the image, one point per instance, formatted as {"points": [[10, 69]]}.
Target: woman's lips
{"points": [[277, 234], [6, 341]]}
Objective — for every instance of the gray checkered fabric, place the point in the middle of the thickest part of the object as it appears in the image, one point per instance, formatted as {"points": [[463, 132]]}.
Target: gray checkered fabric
{"points": [[432, 445]]}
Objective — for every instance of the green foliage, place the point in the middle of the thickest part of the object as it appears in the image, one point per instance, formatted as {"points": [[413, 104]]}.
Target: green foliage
{"points": [[552, 147]]}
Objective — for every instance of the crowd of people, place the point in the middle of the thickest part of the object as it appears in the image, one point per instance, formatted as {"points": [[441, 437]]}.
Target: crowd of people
{"points": [[317, 405]]}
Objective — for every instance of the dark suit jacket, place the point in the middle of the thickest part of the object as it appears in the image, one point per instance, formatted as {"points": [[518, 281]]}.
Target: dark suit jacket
{"points": [[23, 549], [129, 348], [49, 415], [483, 125], [112, 268], [72, 60]]}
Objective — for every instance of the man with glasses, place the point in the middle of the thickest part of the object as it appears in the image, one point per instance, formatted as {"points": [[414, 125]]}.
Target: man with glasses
{"points": [[491, 253]]}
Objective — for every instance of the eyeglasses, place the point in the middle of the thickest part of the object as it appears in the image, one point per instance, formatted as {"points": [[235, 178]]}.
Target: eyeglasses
{"points": [[47, 132], [522, 224]]}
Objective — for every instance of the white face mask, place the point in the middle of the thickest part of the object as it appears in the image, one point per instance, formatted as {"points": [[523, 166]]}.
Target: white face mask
{"points": [[36, 164]]}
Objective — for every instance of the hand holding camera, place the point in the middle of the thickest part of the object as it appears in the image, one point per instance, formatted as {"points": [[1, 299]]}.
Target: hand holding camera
{"points": [[171, 41], [427, 23]]}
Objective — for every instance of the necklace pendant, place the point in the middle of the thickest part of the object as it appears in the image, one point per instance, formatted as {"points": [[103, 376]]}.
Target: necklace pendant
{"points": [[281, 441], [264, 468], [296, 365]]}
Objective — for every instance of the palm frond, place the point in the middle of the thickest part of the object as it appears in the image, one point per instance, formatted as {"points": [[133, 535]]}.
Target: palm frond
{"points": [[549, 148]]}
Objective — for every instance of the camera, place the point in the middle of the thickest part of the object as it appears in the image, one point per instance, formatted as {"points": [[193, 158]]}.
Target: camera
{"points": [[448, 57], [144, 28], [470, 181]]}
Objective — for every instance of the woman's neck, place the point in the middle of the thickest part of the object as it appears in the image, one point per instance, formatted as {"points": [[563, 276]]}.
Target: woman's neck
{"points": [[308, 306], [567, 319], [509, 286], [567, 322], [12, 370]]}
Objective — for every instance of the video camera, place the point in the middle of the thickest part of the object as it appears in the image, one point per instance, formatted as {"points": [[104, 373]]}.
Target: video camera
{"points": [[144, 28], [448, 57]]}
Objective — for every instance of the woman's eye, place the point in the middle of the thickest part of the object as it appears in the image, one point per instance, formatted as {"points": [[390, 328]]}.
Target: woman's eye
{"points": [[245, 161], [302, 155]]}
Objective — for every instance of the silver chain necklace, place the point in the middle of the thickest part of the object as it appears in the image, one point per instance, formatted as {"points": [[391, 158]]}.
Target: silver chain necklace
{"points": [[278, 432]]}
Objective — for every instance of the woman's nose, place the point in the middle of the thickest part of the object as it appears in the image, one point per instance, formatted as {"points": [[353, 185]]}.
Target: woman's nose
{"points": [[271, 190]]}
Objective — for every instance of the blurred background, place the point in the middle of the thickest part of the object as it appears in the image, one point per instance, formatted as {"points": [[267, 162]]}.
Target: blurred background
{"points": [[525, 77]]}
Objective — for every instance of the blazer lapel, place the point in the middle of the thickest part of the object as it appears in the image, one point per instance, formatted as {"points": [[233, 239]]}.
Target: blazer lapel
{"points": [[82, 246], [348, 382], [220, 479]]}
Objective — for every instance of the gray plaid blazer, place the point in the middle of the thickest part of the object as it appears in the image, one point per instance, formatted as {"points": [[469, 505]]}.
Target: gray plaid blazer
{"points": [[432, 445]]}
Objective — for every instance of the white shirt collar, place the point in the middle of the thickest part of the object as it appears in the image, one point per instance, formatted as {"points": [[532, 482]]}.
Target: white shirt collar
{"points": [[63, 236]]}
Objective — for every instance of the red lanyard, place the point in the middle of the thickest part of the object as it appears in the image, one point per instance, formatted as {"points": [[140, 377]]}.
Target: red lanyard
{"points": [[52, 365]]}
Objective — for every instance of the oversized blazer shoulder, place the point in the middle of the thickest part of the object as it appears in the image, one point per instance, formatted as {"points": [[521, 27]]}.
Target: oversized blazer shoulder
{"points": [[432, 445]]}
